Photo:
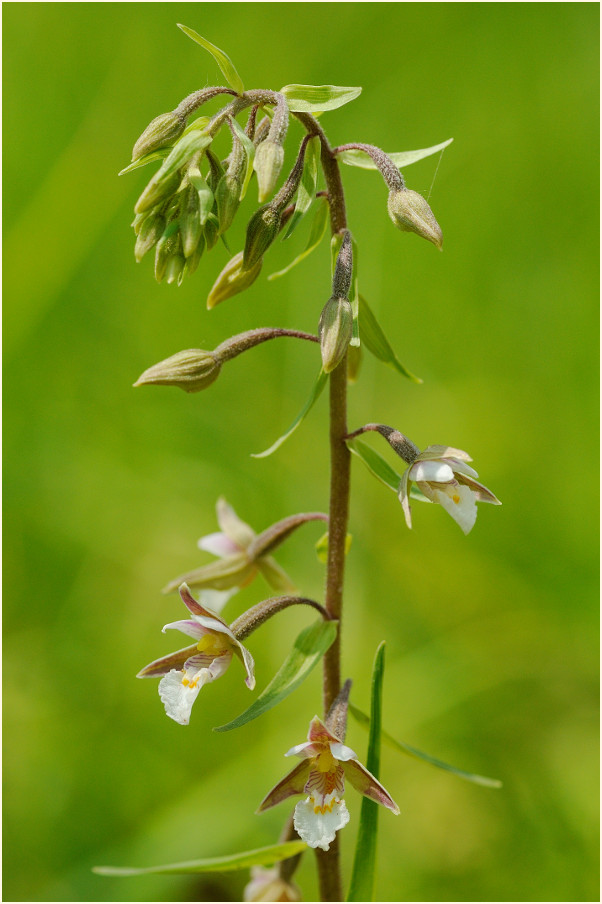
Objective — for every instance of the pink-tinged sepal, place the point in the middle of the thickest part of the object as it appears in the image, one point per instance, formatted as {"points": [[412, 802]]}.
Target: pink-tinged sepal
{"points": [[293, 783], [319, 734], [166, 663], [186, 626], [364, 782], [248, 662]]}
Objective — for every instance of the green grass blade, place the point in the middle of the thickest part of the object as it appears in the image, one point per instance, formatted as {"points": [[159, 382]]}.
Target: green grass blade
{"points": [[308, 649], [364, 864], [265, 856], [315, 394], [222, 59], [364, 721]]}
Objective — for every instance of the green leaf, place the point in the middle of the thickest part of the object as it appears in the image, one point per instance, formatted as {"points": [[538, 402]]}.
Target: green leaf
{"points": [[222, 59], [364, 721], [314, 396], [361, 887], [401, 159], [197, 124], [307, 187], [146, 158], [382, 469], [265, 856], [317, 98], [182, 151], [318, 228], [308, 649], [322, 547], [250, 155], [375, 463], [205, 194], [376, 342]]}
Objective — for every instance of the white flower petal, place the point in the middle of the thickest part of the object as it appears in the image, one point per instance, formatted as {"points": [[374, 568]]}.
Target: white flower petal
{"points": [[318, 829], [342, 752], [218, 544], [178, 697], [437, 471], [461, 504]]}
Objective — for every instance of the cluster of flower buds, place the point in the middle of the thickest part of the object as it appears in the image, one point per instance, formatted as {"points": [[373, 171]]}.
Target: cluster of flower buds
{"points": [[193, 197]]}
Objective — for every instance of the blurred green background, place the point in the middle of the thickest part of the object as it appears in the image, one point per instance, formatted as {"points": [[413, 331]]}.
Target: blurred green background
{"points": [[491, 639]]}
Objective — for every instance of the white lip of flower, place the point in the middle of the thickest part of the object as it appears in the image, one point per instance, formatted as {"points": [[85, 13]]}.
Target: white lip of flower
{"points": [[326, 763], [184, 672], [443, 475]]}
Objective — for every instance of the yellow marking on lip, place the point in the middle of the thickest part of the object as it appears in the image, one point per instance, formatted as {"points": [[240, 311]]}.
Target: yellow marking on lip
{"points": [[456, 498]]}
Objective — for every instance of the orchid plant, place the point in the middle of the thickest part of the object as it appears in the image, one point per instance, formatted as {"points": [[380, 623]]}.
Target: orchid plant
{"points": [[185, 209]]}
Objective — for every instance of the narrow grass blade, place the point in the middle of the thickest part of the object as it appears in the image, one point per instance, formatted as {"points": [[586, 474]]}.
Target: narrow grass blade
{"points": [[317, 98], [364, 721], [364, 864], [400, 159], [222, 59], [308, 649], [265, 856], [315, 394], [372, 335], [318, 228]]}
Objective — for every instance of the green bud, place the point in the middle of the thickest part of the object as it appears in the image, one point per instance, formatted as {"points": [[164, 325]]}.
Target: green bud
{"points": [[211, 232], [190, 221], [157, 190], [411, 213], [262, 229], [191, 370], [167, 247], [268, 161], [194, 260], [336, 328], [174, 271], [232, 280], [227, 196], [161, 131], [149, 234]]}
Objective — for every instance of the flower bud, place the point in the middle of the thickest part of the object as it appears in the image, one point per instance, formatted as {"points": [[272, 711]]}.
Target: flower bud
{"points": [[191, 370], [161, 131], [268, 161], [211, 231], [411, 213], [262, 229], [157, 190], [336, 328], [150, 232], [190, 222], [167, 247], [227, 196], [232, 280], [194, 260], [174, 271]]}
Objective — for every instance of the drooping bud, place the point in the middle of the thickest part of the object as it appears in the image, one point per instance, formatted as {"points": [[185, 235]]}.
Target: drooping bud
{"points": [[161, 131], [262, 229], [167, 247], [174, 270], [157, 190], [150, 232], [190, 222], [336, 328], [268, 161], [411, 213], [191, 370], [211, 231], [227, 196], [232, 280]]}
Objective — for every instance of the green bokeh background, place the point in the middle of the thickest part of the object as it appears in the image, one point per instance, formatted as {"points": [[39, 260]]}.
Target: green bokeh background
{"points": [[491, 639]]}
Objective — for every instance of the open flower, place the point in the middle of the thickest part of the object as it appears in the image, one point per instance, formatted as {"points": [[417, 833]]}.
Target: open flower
{"points": [[236, 566], [326, 763], [268, 885], [186, 671], [443, 475]]}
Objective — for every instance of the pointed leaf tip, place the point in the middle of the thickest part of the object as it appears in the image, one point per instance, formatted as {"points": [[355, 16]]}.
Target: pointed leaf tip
{"points": [[222, 59]]}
